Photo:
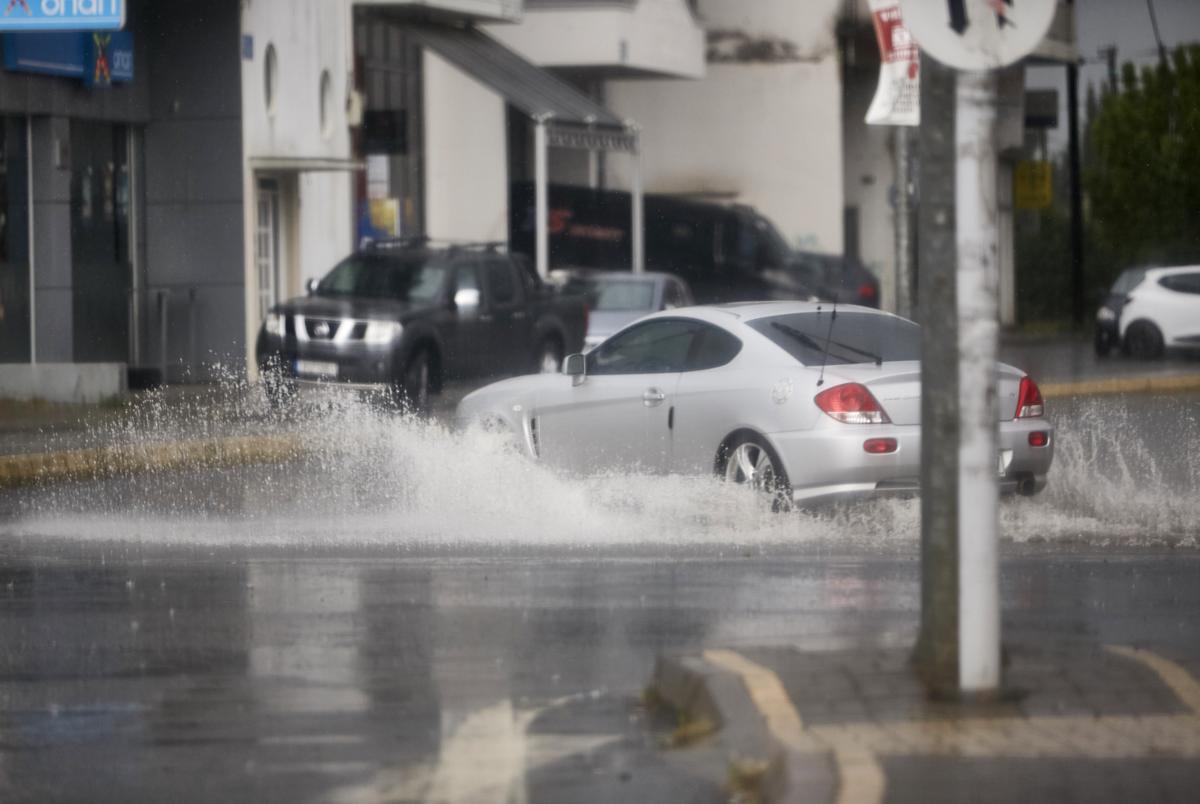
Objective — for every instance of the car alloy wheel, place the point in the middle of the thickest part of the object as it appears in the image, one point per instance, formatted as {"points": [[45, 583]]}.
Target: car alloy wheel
{"points": [[752, 463]]}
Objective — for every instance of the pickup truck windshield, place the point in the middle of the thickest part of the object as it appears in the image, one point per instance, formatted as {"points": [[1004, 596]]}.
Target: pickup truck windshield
{"points": [[856, 337], [376, 276]]}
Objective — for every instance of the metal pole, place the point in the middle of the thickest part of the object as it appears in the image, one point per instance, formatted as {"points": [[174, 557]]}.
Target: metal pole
{"points": [[192, 293], [540, 194], [978, 275], [937, 646], [637, 233], [903, 248], [31, 225], [162, 324], [1078, 309]]}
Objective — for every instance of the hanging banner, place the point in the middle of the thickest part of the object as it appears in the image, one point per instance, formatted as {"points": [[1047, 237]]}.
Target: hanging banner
{"points": [[897, 101]]}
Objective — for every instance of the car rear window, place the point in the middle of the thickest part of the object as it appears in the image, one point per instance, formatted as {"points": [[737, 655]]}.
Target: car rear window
{"points": [[615, 294], [853, 338], [1128, 280]]}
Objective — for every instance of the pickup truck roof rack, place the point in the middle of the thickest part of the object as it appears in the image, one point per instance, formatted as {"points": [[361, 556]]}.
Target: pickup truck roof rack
{"points": [[424, 241]]}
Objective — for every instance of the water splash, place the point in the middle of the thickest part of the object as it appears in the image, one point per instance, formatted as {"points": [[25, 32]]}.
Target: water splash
{"points": [[374, 480]]}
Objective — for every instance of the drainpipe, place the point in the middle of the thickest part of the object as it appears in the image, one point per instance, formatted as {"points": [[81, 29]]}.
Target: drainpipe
{"points": [[637, 234], [540, 193]]}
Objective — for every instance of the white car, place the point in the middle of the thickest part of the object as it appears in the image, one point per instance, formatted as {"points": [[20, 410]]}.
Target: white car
{"points": [[1155, 309], [778, 395]]}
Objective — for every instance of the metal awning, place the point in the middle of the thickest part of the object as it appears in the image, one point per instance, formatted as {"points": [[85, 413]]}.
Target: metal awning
{"points": [[574, 119], [563, 117], [304, 164]]}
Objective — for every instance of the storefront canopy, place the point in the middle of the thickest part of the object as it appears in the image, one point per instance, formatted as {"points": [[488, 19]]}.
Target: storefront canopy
{"points": [[574, 120]]}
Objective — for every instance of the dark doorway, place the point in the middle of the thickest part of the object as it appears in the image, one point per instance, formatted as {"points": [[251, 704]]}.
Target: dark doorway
{"points": [[100, 249]]}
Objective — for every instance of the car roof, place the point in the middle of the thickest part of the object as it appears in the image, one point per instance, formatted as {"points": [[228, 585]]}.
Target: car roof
{"points": [[724, 314], [588, 273], [1174, 269]]}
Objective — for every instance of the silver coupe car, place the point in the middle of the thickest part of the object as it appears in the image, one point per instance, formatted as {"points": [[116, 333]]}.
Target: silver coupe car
{"points": [[788, 397]]}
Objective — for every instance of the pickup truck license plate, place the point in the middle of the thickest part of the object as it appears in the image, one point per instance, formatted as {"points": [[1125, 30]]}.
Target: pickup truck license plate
{"points": [[316, 368]]}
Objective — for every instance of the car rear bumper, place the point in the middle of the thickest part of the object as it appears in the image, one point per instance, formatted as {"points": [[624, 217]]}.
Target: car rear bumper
{"points": [[831, 463]]}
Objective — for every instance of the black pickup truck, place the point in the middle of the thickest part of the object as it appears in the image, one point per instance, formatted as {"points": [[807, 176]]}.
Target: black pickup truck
{"points": [[409, 315]]}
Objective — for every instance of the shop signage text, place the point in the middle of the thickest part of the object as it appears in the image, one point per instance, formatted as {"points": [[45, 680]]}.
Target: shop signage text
{"points": [[62, 15], [97, 58]]}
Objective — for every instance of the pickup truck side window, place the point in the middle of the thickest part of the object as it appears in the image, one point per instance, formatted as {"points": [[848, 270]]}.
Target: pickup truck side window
{"points": [[501, 283]]}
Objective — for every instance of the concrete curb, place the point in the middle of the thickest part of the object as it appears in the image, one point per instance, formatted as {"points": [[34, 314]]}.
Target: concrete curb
{"points": [[699, 690], [19, 470], [1107, 386]]}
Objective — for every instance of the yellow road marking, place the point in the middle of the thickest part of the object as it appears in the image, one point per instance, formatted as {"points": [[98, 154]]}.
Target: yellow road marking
{"points": [[856, 746], [1179, 680], [1123, 385], [860, 778]]}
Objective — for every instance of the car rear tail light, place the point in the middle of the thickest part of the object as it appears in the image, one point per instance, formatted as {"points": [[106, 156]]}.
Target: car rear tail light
{"points": [[880, 446], [851, 403], [866, 292], [1039, 438], [1029, 400]]}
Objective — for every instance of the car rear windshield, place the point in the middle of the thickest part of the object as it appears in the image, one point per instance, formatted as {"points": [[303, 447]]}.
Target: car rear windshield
{"points": [[1128, 280], [411, 279], [854, 337], [614, 294]]}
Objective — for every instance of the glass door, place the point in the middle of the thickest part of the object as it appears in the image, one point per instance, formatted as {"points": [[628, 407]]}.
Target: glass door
{"points": [[266, 245]]}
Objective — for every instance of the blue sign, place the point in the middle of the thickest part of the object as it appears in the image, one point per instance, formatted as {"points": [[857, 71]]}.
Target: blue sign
{"points": [[62, 15], [98, 59]]}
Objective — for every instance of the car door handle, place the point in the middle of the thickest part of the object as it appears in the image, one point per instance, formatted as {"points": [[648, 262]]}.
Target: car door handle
{"points": [[653, 397], [486, 317], [519, 314]]}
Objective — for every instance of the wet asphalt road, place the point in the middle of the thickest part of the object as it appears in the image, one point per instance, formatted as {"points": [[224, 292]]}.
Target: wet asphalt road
{"points": [[415, 616]]}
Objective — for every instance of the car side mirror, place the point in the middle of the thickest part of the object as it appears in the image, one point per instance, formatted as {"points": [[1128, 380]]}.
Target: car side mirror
{"points": [[466, 300], [310, 287], [575, 367]]}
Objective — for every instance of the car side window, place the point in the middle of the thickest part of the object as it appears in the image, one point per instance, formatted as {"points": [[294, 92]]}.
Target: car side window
{"points": [[501, 283], [656, 347], [712, 348], [1182, 283]]}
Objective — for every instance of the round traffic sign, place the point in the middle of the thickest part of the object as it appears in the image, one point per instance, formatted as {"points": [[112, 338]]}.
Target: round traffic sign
{"points": [[978, 34]]}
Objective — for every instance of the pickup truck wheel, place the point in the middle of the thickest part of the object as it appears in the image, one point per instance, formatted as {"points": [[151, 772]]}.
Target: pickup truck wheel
{"points": [[280, 390], [549, 357], [413, 389]]}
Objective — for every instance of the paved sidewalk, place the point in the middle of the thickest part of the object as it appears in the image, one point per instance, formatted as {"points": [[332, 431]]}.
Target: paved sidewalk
{"points": [[1077, 723]]}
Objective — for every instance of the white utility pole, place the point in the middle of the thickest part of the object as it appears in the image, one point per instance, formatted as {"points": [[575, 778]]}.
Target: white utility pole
{"points": [[978, 332], [976, 37]]}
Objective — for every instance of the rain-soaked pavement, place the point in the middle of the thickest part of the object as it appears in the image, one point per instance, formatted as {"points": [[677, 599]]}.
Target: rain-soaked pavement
{"points": [[416, 614]]}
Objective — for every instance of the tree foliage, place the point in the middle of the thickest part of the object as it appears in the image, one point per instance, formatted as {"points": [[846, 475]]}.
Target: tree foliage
{"points": [[1142, 172]]}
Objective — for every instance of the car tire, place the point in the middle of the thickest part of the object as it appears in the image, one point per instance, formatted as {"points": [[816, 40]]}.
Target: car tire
{"points": [[415, 386], [548, 358], [280, 391], [747, 459], [1143, 340]]}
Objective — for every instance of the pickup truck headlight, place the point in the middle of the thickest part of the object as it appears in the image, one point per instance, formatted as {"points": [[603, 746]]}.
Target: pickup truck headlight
{"points": [[274, 325], [379, 332]]}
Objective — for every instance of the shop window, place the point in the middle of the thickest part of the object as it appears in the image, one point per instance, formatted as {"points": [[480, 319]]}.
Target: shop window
{"points": [[270, 79], [14, 242]]}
